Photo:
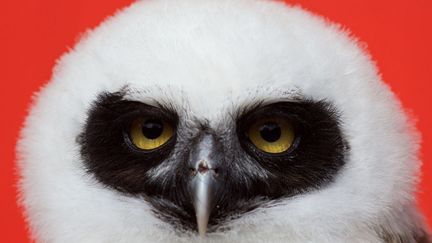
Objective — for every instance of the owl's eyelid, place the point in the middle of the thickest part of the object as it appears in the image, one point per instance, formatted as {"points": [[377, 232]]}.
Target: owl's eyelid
{"points": [[275, 110], [147, 112]]}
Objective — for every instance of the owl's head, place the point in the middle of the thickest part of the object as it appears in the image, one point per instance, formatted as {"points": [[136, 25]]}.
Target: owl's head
{"points": [[231, 120]]}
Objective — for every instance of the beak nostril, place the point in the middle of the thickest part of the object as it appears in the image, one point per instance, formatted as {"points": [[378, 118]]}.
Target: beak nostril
{"points": [[192, 171], [216, 172]]}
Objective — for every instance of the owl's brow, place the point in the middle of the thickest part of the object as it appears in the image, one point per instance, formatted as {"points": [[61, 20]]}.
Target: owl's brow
{"points": [[259, 98], [156, 96]]}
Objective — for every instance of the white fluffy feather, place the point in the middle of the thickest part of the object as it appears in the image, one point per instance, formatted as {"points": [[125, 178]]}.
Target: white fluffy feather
{"points": [[208, 57]]}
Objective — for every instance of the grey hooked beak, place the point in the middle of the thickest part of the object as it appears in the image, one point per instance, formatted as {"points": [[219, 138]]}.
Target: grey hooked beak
{"points": [[204, 184], [203, 190]]}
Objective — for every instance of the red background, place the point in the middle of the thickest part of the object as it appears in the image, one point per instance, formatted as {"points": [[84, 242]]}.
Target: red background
{"points": [[34, 33]]}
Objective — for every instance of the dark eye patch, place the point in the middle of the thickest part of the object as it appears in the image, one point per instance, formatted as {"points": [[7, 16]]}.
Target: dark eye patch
{"points": [[317, 153], [106, 148]]}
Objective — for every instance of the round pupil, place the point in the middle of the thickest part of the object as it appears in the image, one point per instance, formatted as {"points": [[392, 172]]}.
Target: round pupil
{"points": [[270, 131], [152, 128]]}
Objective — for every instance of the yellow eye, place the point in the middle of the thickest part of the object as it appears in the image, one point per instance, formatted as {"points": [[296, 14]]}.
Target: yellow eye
{"points": [[149, 133], [272, 135]]}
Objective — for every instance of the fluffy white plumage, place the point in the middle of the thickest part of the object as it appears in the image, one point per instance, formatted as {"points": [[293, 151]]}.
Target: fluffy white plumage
{"points": [[209, 57]]}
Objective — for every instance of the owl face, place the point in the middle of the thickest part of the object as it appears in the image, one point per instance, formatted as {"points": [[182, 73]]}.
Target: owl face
{"points": [[234, 121], [182, 164]]}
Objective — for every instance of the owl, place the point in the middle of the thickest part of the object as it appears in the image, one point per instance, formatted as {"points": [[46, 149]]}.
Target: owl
{"points": [[218, 121]]}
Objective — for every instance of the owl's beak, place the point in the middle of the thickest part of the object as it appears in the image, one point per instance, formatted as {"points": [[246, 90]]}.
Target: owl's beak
{"points": [[204, 183]]}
